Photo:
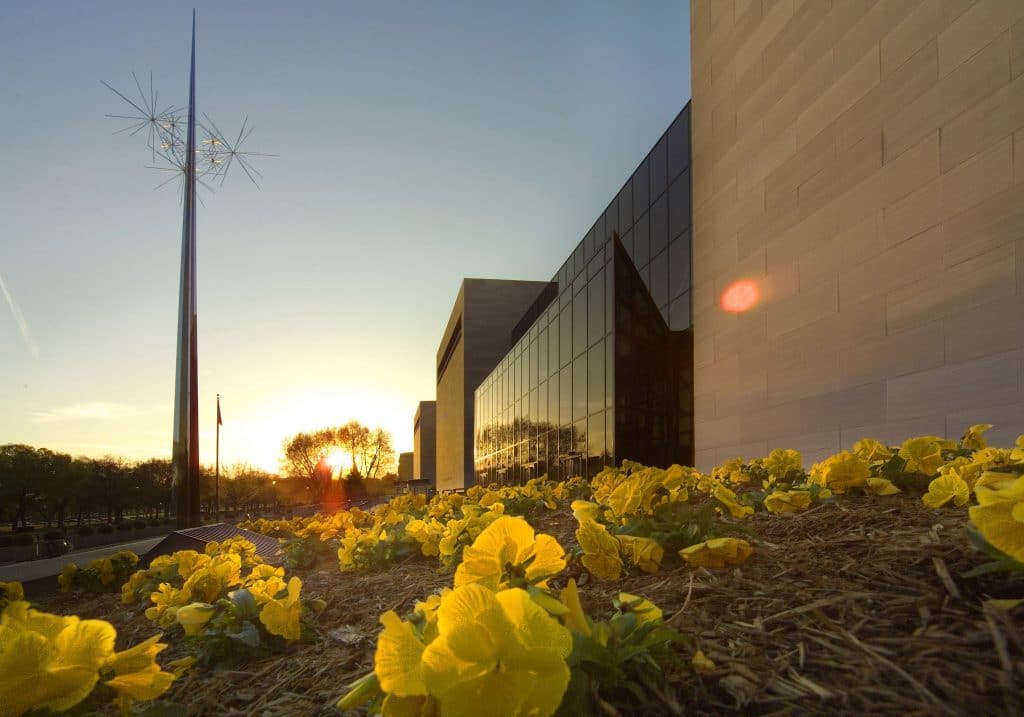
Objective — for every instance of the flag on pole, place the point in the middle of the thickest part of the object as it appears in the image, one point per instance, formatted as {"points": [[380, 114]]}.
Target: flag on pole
{"points": [[220, 421]]}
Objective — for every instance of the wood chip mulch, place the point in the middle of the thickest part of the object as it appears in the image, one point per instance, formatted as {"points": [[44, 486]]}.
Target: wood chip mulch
{"points": [[854, 607]]}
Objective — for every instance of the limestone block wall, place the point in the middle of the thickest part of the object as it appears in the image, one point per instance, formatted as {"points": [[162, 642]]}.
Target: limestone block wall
{"points": [[862, 161]]}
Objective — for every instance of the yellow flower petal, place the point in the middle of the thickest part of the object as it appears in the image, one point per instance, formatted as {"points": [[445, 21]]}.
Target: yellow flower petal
{"points": [[600, 551], [575, 619], [701, 663], [717, 553], [644, 609], [996, 519], [398, 659], [946, 488]]}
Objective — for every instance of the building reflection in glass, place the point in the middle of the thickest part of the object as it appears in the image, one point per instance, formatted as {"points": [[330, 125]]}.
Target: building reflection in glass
{"points": [[601, 367]]}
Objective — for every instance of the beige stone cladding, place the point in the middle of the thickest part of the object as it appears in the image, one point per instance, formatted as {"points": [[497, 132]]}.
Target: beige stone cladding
{"points": [[862, 161]]}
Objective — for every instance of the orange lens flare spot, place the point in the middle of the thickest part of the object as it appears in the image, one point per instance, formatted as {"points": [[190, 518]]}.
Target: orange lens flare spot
{"points": [[741, 296]]}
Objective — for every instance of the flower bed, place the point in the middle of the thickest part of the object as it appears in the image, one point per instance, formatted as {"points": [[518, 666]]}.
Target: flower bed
{"points": [[859, 589]]}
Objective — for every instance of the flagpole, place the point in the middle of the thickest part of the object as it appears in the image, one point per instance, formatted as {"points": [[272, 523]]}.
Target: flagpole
{"points": [[216, 477]]}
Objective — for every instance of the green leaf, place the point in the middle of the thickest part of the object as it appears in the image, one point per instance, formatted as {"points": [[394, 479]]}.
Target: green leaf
{"points": [[248, 635]]}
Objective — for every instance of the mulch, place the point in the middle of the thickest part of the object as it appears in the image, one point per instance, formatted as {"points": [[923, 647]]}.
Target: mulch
{"points": [[856, 606]]}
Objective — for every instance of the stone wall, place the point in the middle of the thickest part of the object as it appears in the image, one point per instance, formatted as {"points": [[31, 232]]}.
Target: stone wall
{"points": [[862, 162]]}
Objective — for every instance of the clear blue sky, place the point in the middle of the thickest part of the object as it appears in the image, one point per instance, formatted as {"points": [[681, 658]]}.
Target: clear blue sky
{"points": [[417, 143]]}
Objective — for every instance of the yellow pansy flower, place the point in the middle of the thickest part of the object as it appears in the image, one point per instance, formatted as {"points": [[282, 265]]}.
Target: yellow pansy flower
{"points": [[843, 471], [137, 677], [213, 581], [585, 510], [644, 609], [194, 616], [728, 498], [731, 471], [49, 662], [782, 460], [881, 486], [993, 479], [398, 661], [871, 450], [9, 592], [575, 619], [281, 617], [626, 497], [946, 488], [922, 454], [1017, 453], [644, 553], [499, 647], [66, 579], [717, 553], [166, 601], [188, 562], [787, 501], [972, 437], [999, 516], [702, 663], [600, 550], [508, 553]]}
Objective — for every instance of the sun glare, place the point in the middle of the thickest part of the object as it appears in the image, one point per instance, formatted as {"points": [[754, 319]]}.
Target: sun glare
{"points": [[336, 460], [741, 296]]}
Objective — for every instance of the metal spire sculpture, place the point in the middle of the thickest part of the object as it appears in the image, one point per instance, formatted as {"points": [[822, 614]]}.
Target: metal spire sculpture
{"points": [[192, 161]]}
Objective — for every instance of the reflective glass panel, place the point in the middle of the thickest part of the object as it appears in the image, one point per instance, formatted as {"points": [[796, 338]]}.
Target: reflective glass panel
{"points": [[579, 326], [579, 388], [595, 378], [595, 307]]}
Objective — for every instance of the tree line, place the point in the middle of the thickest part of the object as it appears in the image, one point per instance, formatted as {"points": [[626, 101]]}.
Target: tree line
{"points": [[38, 485], [372, 462]]}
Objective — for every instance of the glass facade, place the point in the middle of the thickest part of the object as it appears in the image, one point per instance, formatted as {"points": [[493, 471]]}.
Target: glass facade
{"points": [[604, 371]]}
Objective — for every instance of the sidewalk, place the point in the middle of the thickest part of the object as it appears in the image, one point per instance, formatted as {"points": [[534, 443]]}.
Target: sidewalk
{"points": [[51, 567]]}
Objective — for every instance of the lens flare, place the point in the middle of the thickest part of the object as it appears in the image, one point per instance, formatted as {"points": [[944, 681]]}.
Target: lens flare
{"points": [[741, 296]]}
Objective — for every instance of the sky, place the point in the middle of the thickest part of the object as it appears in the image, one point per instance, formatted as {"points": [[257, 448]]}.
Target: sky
{"points": [[414, 144]]}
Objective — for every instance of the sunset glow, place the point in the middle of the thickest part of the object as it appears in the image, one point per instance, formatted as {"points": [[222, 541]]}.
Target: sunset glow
{"points": [[336, 460], [741, 296]]}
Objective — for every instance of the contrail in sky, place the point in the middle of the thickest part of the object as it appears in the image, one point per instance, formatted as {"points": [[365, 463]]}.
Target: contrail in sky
{"points": [[19, 318]]}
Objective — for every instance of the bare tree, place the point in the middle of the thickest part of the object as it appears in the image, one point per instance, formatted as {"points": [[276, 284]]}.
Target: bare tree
{"points": [[304, 459]]}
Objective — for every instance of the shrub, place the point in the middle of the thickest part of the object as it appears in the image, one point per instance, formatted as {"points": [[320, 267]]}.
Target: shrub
{"points": [[139, 524], [24, 529], [104, 529], [54, 535], [6, 541], [124, 526], [85, 531], [25, 539], [154, 523]]}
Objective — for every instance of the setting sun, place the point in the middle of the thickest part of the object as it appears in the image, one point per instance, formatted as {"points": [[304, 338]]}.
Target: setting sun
{"points": [[337, 460]]}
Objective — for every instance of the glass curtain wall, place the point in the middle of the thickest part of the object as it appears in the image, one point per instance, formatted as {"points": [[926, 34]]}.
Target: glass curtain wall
{"points": [[608, 363]]}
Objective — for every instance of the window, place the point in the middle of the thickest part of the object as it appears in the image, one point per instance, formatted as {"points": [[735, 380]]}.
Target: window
{"points": [[679, 265], [679, 206], [659, 225], [595, 379], [641, 189], [679, 312], [565, 329], [595, 307], [579, 389], [642, 240], [626, 207], [579, 326], [565, 397], [659, 279], [659, 172]]}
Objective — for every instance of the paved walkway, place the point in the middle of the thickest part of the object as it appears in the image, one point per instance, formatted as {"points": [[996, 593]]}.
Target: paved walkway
{"points": [[49, 567]]}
